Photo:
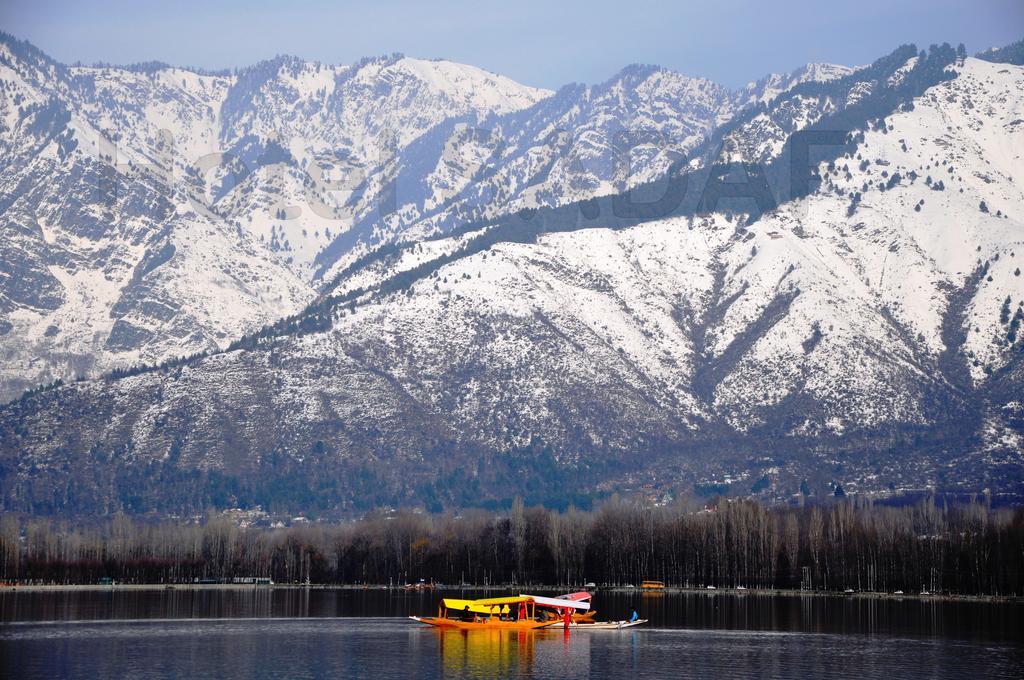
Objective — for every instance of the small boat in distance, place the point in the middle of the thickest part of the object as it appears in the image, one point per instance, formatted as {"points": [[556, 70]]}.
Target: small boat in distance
{"points": [[525, 612], [420, 585], [652, 585]]}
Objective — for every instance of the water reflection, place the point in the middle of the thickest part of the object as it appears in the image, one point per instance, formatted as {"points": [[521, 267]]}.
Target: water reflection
{"points": [[498, 653]]}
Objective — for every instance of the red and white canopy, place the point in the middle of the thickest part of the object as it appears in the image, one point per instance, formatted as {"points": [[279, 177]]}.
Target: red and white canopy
{"points": [[556, 602]]}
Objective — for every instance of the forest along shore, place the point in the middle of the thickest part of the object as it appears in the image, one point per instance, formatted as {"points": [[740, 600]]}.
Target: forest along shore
{"points": [[844, 546], [672, 590]]}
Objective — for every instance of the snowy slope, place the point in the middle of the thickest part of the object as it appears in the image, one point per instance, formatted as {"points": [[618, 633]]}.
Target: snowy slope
{"points": [[580, 143], [570, 146], [339, 126]]}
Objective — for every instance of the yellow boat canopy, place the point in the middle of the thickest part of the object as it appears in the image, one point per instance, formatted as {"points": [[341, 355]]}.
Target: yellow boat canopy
{"points": [[489, 605]]}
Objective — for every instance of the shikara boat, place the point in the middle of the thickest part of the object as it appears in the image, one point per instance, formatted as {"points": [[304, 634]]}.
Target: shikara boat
{"points": [[525, 612]]}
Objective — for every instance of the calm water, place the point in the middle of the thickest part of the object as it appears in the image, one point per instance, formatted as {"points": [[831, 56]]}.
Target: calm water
{"points": [[358, 634]]}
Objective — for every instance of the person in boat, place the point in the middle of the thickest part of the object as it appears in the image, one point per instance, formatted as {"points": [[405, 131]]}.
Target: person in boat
{"points": [[467, 616], [634, 617]]}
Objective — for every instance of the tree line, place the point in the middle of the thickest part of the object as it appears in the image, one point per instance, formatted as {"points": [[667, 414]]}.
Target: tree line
{"points": [[855, 544]]}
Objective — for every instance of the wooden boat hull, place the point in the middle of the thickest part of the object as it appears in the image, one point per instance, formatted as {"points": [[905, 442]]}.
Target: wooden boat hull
{"points": [[608, 625], [453, 624]]}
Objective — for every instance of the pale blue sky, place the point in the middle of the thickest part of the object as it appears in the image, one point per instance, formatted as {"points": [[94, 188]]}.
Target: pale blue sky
{"points": [[545, 43]]}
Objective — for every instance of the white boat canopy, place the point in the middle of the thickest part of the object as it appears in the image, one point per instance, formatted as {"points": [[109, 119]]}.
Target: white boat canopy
{"points": [[556, 602]]}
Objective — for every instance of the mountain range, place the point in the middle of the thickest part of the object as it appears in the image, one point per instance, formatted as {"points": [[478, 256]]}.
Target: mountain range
{"points": [[415, 283]]}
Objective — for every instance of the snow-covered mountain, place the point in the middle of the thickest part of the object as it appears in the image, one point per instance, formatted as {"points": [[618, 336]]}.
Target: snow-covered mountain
{"points": [[156, 212], [865, 333]]}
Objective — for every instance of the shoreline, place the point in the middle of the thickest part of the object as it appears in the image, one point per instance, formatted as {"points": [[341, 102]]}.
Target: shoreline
{"points": [[764, 592]]}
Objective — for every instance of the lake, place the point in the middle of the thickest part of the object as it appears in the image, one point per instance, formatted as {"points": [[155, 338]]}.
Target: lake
{"points": [[299, 633]]}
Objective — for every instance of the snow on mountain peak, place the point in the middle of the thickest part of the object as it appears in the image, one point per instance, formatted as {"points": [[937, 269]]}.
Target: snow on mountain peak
{"points": [[486, 91], [774, 84]]}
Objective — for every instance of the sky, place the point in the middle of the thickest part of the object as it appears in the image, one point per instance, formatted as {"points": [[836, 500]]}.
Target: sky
{"points": [[545, 43]]}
